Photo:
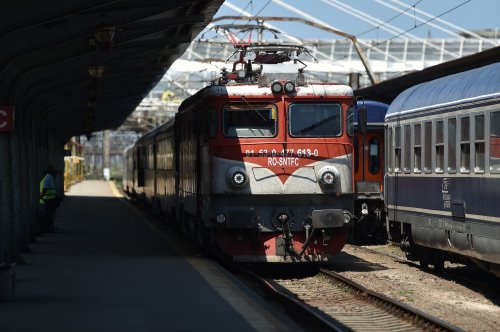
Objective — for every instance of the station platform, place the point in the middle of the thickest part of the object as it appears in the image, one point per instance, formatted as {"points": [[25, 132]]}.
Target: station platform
{"points": [[109, 267]]}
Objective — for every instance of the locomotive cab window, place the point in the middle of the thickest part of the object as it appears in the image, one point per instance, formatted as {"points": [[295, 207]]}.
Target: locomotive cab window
{"points": [[495, 142], [315, 120], [255, 120]]}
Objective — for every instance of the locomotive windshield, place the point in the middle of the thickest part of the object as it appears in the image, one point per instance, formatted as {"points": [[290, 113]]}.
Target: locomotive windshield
{"points": [[249, 120], [315, 120]]}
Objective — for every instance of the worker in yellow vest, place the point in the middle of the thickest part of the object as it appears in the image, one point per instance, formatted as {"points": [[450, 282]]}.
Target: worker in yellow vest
{"points": [[48, 199]]}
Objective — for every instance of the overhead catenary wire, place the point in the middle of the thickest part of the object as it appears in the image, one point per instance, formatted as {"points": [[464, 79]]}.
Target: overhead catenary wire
{"points": [[442, 21], [286, 35], [417, 18], [314, 19], [328, 57], [387, 27], [387, 21], [419, 25]]}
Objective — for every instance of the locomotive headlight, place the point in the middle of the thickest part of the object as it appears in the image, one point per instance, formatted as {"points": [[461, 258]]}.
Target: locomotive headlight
{"points": [[221, 218], [237, 177], [347, 217], [276, 87], [289, 87], [328, 175]]}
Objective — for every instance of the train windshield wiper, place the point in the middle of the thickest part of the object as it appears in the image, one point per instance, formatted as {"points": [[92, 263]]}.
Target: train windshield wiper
{"points": [[253, 109]]}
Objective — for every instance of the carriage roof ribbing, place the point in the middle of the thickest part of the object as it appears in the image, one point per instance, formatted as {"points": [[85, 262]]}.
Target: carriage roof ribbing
{"points": [[470, 85]]}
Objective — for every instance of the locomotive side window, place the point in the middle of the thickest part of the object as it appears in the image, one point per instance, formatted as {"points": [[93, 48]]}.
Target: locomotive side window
{"points": [[452, 145], [315, 120], [464, 145], [428, 147], [495, 142], [350, 121], [417, 149], [479, 143], [211, 123], [374, 161], [439, 146], [255, 120], [397, 149], [407, 149]]}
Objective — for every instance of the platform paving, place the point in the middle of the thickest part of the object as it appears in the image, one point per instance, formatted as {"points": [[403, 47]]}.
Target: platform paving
{"points": [[107, 269]]}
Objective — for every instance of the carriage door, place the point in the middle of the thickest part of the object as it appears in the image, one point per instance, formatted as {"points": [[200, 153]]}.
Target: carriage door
{"points": [[368, 158]]}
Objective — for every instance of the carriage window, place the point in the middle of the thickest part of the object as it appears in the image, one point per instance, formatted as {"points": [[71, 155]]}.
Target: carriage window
{"points": [[374, 161], [464, 145], [255, 120], [160, 154], [495, 142], [388, 141], [452, 145], [417, 149], [428, 146], [150, 159], [407, 149], [165, 155], [439, 147], [479, 143], [397, 149], [169, 154], [315, 120]]}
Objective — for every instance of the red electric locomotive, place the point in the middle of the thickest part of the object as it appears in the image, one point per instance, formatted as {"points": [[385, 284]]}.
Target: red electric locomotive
{"points": [[262, 172]]}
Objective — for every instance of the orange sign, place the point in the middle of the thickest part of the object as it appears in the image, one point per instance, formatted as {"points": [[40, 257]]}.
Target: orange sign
{"points": [[6, 118]]}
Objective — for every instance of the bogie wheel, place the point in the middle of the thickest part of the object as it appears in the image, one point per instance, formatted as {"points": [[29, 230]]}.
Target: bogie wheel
{"points": [[439, 263], [424, 264]]}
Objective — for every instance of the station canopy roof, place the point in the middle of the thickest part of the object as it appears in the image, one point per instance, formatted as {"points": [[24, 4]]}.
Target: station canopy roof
{"points": [[78, 66]]}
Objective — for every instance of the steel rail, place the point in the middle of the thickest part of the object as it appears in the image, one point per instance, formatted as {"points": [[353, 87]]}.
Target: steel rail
{"points": [[300, 311], [409, 313]]}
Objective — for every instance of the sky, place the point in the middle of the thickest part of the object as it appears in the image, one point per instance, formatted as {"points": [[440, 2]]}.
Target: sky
{"points": [[376, 19]]}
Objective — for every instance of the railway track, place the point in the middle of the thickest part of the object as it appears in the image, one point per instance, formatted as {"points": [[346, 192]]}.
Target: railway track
{"points": [[486, 282], [328, 301]]}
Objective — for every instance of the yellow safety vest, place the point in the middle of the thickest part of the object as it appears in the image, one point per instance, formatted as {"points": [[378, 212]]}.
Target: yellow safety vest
{"points": [[51, 189]]}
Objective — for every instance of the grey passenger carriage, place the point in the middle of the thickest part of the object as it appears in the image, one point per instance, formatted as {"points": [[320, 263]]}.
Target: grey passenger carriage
{"points": [[442, 181]]}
